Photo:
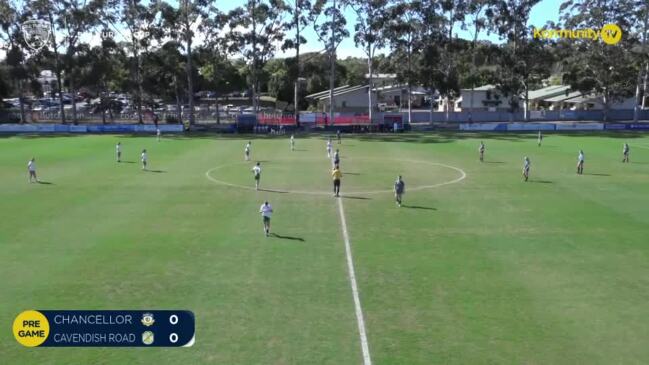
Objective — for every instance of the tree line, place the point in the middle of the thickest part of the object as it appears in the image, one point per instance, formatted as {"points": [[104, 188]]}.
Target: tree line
{"points": [[170, 50]]}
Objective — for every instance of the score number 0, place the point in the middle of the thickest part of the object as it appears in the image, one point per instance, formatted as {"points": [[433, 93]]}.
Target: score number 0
{"points": [[173, 319]]}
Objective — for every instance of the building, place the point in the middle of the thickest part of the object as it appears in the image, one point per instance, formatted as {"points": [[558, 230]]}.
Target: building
{"points": [[47, 78], [482, 98], [355, 98]]}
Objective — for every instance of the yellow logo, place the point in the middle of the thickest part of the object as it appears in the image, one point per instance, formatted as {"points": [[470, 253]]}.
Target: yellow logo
{"points": [[147, 319], [611, 34], [31, 328]]}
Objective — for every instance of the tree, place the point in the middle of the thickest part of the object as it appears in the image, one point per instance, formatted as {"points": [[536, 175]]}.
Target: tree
{"points": [[331, 32], [594, 66], [476, 10], [403, 33], [73, 19], [301, 14], [371, 18], [255, 29], [519, 57]]}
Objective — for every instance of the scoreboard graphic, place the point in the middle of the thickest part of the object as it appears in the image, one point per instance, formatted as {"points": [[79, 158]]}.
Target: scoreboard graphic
{"points": [[119, 328]]}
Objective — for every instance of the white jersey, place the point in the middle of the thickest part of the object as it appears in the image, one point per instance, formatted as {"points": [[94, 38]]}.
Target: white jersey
{"points": [[256, 170], [526, 164], [31, 165], [118, 148], [581, 157], [266, 210], [157, 131], [292, 140], [481, 149], [247, 148], [328, 146], [144, 157]]}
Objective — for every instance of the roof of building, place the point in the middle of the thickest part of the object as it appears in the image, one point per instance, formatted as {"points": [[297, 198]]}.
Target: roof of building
{"points": [[318, 94], [381, 76], [341, 91], [563, 97], [548, 92]]}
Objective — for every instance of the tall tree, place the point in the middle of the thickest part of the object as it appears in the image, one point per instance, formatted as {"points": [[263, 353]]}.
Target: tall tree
{"points": [[477, 10], [255, 31], [301, 14], [371, 19], [331, 31], [403, 33], [594, 66], [519, 56]]}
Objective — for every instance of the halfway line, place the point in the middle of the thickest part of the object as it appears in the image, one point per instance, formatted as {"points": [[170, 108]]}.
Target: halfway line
{"points": [[352, 279]]}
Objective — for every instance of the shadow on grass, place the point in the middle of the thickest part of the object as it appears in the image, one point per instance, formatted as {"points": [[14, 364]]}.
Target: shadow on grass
{"points": [[287, 237], [352, 173], [354, 197], [597, 174], [417, 207], [493, 162], [45, 182], [157, 171], [541, 181], [273, 191], [126, 162]]}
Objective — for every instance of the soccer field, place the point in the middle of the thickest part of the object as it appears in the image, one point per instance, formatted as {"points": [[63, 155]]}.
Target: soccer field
{"points": [[477, 267]]}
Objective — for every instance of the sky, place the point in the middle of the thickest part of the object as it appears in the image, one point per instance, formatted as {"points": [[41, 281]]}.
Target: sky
{"points": [[546, 10]]}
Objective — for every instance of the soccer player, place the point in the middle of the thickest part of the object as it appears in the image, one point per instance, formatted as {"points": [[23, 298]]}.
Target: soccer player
{"points": [[399, 189], [329, 148], [625, 153], [31, 167], [144, 159], [118, 150], [266, 210], [337, 175], [526, 168], [540, 139], [481, 150], [338, 134], [337, 158], [292, 143], [256, 171], [247, 151], [158, 133], [580, 163]]}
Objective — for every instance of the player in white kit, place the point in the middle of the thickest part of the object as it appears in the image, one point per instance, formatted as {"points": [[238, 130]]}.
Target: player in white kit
{"points": [[256, 171], [246, 151], [580, 163], [266, 211], [292, 143], [118, 151], [31, 167], [329, 148], [625, 153], [144, 159], [526, 168]]}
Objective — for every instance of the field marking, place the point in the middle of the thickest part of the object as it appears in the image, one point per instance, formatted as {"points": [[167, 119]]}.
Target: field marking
{"points": [[640, 146], [370, 192], [362, 332]]}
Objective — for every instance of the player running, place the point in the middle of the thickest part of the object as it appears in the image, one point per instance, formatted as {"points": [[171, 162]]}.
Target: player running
{"points": [[144, 159], [625, 153], [399, 190], [292, 143], [526, 168], [481, 150], [246, 151], [31, 167], [266, 210], [329, 148], [337, 175], [118, 151], [540, 138], [337, 158], [256, 171], [580, 163]]}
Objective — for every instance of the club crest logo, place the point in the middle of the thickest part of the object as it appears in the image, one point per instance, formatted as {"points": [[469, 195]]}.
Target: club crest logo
{"points": [[147, 319], [36, 33], [147, 337]]}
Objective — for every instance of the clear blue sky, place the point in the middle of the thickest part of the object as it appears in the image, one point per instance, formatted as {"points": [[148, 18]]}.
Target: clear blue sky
{"points": [[546, 10]]}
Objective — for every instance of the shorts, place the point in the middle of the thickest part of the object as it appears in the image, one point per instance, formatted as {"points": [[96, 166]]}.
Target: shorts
{"points": [[337, 182], [257, 177], [266, 219]]}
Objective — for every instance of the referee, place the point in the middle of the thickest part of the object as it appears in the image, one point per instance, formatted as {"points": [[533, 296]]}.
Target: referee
{"points": [[337, 175]]}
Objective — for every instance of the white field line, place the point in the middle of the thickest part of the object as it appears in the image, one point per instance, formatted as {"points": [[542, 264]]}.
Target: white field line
{"points": [[462, 176], [362, 332], [639, 146]]}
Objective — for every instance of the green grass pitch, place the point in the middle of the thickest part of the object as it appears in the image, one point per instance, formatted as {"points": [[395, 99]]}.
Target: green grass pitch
{"points": [[485, 270]]}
